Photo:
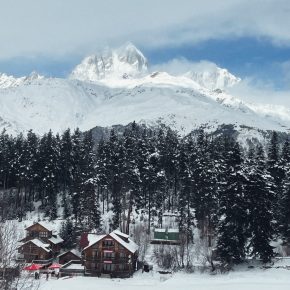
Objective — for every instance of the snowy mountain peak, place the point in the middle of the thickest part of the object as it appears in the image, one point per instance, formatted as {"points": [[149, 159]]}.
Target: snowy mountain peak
{"points": [[125, 62], [7, 81], [213, 77]]}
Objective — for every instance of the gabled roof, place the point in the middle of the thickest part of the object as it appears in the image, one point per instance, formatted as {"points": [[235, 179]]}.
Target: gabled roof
{"points": [[39, 244], [117, 232], [75, 252], [130, 245], [56, 240], [93, 239], [43, 224], [117, 236]]}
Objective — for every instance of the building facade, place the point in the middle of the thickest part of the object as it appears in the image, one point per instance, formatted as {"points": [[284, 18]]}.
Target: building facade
{"points": [[114, 254], [40, 243]]}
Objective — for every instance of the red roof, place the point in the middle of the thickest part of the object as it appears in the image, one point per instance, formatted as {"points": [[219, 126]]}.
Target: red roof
{"points": [[55, 266], [33, 267]]}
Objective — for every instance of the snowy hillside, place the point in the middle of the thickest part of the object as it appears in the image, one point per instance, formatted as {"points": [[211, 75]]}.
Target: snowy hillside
{"points": [[116, 88]]}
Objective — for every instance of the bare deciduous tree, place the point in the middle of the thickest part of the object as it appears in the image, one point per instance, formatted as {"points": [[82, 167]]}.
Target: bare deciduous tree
{"points": [[141, 238], [11, 277]]}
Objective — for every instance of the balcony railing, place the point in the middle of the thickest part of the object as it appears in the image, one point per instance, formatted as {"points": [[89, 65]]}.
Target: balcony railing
{"points": [[114, 260]]}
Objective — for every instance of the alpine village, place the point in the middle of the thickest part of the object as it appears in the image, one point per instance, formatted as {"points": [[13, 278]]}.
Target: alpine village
{"points": [[140, 199]]}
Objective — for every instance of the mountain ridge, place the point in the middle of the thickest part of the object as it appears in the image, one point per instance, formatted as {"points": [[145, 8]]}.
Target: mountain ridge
{"points": [[183, 102]]}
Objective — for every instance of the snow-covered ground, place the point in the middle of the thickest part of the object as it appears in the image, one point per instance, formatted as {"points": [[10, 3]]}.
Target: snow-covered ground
{"points": [[247, 279]]}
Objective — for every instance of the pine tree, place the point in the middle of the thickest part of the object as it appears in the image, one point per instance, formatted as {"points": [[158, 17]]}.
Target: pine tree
{"points": [[31, 163], [76, 184], [67, 232], [88, 197], [132, 183], [260, 211], [66, 160], [49, 155], [276, 171], [231, 237], [102, 171], [185, 200], [284, 201], [116, 163], [205, 185]]}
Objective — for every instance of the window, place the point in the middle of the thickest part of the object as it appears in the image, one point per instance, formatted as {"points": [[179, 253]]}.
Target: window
{"points": [[109, 255], [95, 254], [109, 267], [43, 234], [108, 243], [123, 255]]}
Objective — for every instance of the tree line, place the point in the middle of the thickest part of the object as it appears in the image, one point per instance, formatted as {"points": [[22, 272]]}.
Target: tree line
{"points": [[239, 198]]}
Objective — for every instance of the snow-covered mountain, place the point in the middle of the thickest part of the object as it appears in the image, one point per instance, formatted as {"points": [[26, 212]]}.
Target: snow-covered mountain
{"points": [[214, 78], [116, 88], [124, 62], [7, 81]]}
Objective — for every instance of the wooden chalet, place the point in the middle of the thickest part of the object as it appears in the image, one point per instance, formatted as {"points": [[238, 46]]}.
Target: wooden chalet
{"points": [[35, 250], [68, 256], [113, 255], [40, 244]]}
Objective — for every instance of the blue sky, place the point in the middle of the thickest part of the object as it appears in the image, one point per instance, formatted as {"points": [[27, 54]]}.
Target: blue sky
{"points": [[249, 38], [244, 57]]}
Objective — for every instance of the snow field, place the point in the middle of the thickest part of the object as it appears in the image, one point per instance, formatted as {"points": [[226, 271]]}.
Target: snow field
{"points": [[248, 279]]}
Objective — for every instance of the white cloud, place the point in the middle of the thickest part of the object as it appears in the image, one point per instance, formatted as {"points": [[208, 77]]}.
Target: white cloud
{"points": [[179, 66], [249, 89], [53, 27], [254, 91]]}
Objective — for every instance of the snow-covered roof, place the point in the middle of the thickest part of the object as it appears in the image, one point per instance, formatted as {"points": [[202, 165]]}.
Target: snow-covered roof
{"points": [[170, 214], [117, 236], [160, 230], [56, 240], [166, 230], [130, 245], [73, 266], [93, 238], [74, 251], [39, 244], [44, 224], [173, 230], [121, 234]]}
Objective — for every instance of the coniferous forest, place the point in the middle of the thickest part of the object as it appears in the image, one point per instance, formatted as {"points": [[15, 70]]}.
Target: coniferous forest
{"points": [[239, 195]]}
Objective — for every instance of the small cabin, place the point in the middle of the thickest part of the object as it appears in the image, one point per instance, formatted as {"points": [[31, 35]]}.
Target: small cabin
{"points": [[35, 250], [39, 231], [68, 256], [40, 243], [72, 268], [113, 255], [166, 237]]}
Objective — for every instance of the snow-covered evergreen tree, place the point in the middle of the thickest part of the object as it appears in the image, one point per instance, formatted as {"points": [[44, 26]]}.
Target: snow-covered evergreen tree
{"points": [[231, 238], [259, 196]]}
